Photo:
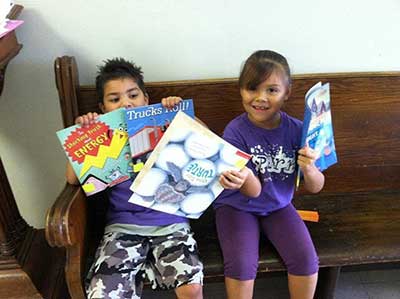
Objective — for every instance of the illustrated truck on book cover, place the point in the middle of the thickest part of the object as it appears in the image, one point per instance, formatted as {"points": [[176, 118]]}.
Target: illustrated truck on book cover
{"points": [[146, 126]]}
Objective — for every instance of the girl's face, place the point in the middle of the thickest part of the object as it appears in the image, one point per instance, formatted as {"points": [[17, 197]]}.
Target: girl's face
{"points": [[123, 92], [263, 104]]}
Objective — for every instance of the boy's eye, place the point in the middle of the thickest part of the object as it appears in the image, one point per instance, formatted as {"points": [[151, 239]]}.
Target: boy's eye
{"points": [[133, 95], [114, 100], [272, 90]]}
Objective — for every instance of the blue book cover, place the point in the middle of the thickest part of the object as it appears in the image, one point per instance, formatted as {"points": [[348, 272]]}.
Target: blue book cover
{"points": [[146, 125], [317, 125], [99, 153], [181, 175]]}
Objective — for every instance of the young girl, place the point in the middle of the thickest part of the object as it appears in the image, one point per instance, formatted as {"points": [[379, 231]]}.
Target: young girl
{"points": [[137, 241], [273, 139]]}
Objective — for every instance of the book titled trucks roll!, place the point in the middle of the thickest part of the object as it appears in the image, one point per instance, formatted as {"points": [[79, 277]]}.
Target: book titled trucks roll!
{"points": [[317, 126], [146, 125], [181, 175], [99, 154]]}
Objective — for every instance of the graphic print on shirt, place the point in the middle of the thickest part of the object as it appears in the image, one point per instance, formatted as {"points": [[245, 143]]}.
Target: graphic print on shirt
{"points": [[274, 161]]}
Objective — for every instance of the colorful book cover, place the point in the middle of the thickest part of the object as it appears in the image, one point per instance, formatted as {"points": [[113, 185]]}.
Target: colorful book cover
{"points": [[317, 126], [146, 126], [99, 154], [181, 175], [8, 26]]}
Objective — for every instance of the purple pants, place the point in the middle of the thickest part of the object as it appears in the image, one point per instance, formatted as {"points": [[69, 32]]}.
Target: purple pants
{"points": [[239, 236]]}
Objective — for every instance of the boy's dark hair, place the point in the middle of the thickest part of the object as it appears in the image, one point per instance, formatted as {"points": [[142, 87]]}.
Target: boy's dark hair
{"points": [[259, 66], [118, 68]]}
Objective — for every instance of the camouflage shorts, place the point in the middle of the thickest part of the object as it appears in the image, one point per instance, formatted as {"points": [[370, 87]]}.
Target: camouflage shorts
{"points": [[122, 262]]}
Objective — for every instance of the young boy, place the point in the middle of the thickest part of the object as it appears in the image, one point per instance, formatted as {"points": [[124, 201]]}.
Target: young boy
{"points": [[137, 241]]}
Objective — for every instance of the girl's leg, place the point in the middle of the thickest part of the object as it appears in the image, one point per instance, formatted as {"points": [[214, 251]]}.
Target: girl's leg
{"points": [[290, 236], [238, 234]]}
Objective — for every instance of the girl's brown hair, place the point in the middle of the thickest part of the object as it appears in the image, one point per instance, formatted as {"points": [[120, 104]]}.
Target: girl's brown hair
{"points": [[259, 66]]}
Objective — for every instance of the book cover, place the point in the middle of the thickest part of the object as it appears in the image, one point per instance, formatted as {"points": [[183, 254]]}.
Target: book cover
{"points": [[99, 154], [181, 175], [146, 126], [8, 26], [317, 126]]}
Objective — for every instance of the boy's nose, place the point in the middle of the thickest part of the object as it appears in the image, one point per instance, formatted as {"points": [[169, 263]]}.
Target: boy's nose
{"points": [[126, 103]]}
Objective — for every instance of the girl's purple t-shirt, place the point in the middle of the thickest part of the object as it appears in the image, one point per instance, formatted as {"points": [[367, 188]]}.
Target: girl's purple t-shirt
{"points": [[274, 155], [122, 211]]}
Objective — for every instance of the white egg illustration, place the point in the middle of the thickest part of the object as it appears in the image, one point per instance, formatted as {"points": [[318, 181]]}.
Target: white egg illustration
{"points": [[172, 153], [179, 134], [149, 184], [228, 154], [201, 146], [200, 172], [223, 166], [196, 202]]}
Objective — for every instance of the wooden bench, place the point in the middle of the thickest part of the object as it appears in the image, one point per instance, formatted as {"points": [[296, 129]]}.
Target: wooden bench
{"points": [[359, 206]]}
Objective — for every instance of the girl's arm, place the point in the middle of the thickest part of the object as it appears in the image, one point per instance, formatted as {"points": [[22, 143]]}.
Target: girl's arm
{"points": [[70, 175], [313, 178], [244, 180]]}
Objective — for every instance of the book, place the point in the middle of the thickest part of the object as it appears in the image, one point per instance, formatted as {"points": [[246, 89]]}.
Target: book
{"points": [[317, 126], [99, 153], [181, 175], [8, 26], [146, 125]]}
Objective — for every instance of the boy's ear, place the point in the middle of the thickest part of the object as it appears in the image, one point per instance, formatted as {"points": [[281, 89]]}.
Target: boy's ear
{"points": [[146, 96], [101, 106]]}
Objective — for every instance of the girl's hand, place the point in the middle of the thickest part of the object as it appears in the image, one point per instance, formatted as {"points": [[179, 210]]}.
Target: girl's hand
{"points": [[87, 119], [170, 102], [306, 159], [233, 179]]}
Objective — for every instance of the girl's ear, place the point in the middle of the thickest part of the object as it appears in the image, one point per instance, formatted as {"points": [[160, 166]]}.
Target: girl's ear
{"points": [[288, 92], [101, 106]]}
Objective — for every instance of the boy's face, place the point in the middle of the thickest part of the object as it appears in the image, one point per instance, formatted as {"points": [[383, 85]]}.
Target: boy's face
{"points": [[123, 92]]}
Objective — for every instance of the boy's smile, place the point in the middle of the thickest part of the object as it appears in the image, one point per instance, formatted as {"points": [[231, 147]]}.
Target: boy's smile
{"points": [[122, 92]]}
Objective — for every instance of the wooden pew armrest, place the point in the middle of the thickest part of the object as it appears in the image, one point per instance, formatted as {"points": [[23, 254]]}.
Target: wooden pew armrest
{"points": [[66, 219]]}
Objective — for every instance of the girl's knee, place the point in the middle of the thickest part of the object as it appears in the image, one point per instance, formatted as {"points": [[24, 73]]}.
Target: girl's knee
{"points": [[305, 263], [242, 268]]}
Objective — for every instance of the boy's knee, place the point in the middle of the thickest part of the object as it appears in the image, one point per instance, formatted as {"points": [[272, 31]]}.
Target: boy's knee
{"points": [[190, 291]]}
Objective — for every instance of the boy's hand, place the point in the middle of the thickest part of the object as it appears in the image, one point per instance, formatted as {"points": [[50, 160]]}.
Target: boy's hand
{"points": [[87, 119], [306, 159], [170, 102], [233, 179]]}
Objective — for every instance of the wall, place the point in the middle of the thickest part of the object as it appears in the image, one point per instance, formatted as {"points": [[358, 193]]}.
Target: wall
{"points": [[171, 40]]}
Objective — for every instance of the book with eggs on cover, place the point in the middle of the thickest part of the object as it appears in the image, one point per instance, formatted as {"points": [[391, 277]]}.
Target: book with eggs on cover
{"points": [[180, 176]]}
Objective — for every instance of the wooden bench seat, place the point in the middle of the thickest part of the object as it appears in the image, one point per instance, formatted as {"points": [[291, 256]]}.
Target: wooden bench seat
{"points": [[359, 206]]}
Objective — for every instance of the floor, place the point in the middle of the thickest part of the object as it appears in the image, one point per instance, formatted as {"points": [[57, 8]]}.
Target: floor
{"points": [[354, 283]]}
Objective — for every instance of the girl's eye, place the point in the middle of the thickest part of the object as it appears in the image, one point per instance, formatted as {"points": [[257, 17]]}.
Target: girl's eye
{"points": [[114, 100], [272, 90]]}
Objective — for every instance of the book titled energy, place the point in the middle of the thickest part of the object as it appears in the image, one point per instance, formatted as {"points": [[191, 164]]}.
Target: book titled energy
{"points": [[100, 153], [146, 126], [181, 175]]}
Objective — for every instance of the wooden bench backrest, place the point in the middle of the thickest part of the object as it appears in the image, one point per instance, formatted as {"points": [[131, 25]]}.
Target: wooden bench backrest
{"points": [[365, 111]]}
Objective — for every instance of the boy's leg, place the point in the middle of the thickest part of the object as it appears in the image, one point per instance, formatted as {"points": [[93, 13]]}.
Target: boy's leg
{"points": [[174, 263], [290, 236], [238, 234], [118, 268]]}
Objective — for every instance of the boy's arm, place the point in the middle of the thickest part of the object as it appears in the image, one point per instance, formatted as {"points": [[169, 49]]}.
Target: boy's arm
{"points": [[70, 175], [244, 180], [314, 179]]}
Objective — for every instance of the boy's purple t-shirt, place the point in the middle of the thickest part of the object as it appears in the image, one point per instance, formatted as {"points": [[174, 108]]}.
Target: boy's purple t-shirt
{"points": [[274, 155], [122, 211]]}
